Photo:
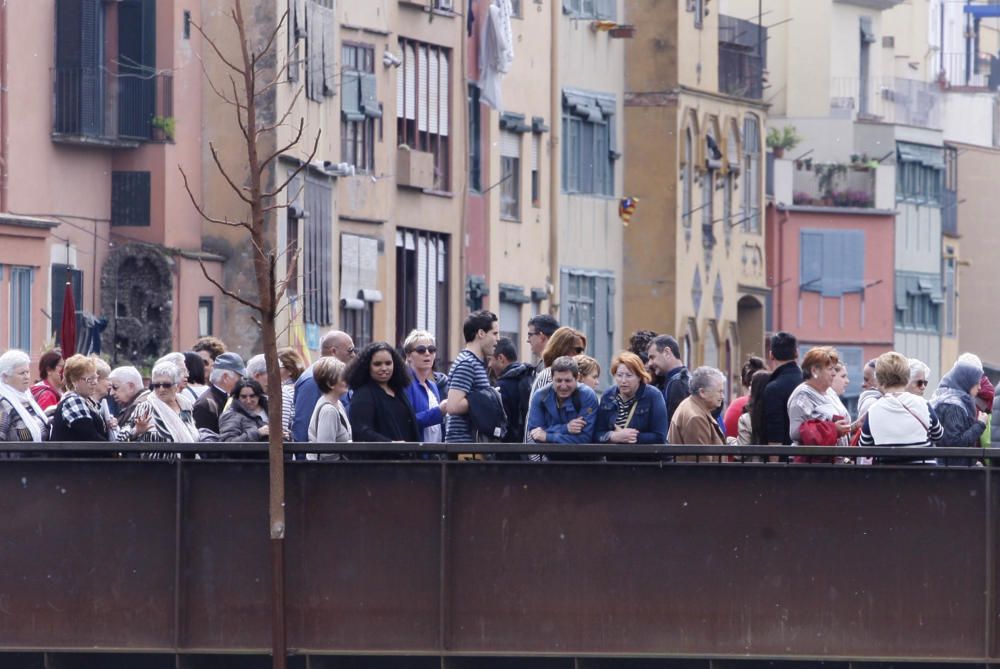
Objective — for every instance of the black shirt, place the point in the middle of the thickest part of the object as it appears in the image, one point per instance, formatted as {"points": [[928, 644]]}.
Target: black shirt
{"points": [[377, 416], [784, 380]]}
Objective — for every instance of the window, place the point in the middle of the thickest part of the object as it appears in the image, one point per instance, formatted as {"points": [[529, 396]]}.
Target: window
{"points": [[60, 275], [919, 173], [751, 170], [102, 94], [21, 279], [317, 244], [510, 174], [589, 145], [422, 113], [510, 321], [358, 287], [206, 316], [687, 180], [590, 9], [475, 141], [359, 106], [867, 36], [918, 301], [130, 197], [831, 262], [422, 285], [515, 8], [536, 175], [316, 26], [588, 305]]}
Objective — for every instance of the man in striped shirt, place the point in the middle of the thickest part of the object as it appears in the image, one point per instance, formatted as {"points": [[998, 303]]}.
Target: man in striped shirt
{"points": [[468, 373]]}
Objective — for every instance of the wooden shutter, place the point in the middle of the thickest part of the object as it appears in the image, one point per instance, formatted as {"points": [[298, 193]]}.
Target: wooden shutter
{"points": [[79, 104], [369, 96], [433, 92], [410, 75], [811, 260], [350, 101], [444, 93], [329, 50], [510, 144]]}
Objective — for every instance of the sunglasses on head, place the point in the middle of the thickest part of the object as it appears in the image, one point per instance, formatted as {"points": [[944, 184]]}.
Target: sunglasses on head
{"points": [[423, 349], [164, 386]]}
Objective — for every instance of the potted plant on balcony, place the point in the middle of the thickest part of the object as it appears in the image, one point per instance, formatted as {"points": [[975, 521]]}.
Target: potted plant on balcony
{"points": [[781, 140]]}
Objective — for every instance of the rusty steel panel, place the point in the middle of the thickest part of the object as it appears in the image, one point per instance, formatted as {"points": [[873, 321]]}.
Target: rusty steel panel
{"points": [[225, 552], [87, 554], [718, 560], [364, 556]]}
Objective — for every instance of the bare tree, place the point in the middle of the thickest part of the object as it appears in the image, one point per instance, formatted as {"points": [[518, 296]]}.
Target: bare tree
{"points": [[252, 75]]}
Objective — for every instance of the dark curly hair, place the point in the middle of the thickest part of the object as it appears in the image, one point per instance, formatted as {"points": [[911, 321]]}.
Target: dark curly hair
{"points": [[254, 386], [359, 370]]}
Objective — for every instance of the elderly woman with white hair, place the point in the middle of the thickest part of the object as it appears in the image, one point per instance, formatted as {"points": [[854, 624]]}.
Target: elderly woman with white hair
{"points": [[170, 411], [919, 372], [692, 423], [21, 419]]}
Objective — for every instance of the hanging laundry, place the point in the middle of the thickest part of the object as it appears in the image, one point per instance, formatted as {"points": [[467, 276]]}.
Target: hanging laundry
{"points": [[496, 52]]}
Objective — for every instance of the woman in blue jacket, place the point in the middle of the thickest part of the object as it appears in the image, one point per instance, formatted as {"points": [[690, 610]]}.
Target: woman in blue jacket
{"points": [[630, 411], [424, 392]]}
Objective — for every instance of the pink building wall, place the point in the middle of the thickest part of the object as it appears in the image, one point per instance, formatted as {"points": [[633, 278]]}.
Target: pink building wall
{"points": [[813, 318]]}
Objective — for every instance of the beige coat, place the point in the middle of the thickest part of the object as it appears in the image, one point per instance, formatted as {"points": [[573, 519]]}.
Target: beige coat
{"points": [[693, 425]]}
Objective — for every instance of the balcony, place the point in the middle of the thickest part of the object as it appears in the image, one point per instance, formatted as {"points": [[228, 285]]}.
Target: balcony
{"points": [[742, 61], [962, 70], [887, 100], [833, 184], [95, 107]]}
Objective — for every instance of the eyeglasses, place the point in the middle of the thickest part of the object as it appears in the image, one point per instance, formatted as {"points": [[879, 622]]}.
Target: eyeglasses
{"points": [[922, 383], [164, 386], [530, 335], [90, 379], [424, 349], [248, 397], [352, 351]]}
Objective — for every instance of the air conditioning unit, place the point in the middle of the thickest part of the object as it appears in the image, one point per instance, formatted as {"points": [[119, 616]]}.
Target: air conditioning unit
{"points": [[448, 5], [414, 169]]}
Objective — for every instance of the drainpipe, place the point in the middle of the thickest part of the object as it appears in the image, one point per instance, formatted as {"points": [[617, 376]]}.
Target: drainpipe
{"points": [[555, 100], [4, 124], [779, 283]]}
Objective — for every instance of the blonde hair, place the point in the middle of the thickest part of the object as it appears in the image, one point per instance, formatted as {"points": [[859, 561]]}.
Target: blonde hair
{"points": [[77, 367], [414, 337], [328, 372], [588, 366], [290, 360]]}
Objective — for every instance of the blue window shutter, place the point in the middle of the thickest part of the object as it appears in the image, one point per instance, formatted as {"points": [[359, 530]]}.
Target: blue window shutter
{"points": [[811, 260]]}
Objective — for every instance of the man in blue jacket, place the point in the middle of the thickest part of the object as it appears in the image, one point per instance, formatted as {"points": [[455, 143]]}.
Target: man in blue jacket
{"points": [[334, 343], [563, 412]]}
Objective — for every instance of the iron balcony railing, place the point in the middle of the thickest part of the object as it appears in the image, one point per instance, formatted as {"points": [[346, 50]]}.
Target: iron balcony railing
{"points": [[742, 57], [94, 105], [887, 99]]}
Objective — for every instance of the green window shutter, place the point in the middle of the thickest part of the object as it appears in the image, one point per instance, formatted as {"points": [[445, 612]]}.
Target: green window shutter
{"points": [[369, 97], [350, 99]]}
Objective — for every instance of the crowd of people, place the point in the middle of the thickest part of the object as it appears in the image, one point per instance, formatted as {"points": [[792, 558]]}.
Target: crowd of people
{"points": [[388, 394]]}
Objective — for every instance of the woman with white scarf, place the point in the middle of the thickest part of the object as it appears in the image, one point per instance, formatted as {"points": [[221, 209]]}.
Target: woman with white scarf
{"points": [[21, 419], [171, 411]]}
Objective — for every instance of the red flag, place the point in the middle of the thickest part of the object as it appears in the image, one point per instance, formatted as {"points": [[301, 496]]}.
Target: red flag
{"points": [[67, 329]]}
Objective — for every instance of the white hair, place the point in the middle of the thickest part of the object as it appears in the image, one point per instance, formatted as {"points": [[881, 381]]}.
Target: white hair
{"points": [[703, 377], [256, 365], [917, 367], [175, 358], [167, 369], [218, 374], [127, 374], [11, 360], [415, 336]]}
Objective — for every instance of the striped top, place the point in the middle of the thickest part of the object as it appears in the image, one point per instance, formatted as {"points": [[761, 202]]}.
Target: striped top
{"points": [[468, 374]]}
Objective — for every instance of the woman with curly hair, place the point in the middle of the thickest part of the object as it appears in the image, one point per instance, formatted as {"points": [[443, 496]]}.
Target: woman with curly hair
{"points": [[379, 410]]}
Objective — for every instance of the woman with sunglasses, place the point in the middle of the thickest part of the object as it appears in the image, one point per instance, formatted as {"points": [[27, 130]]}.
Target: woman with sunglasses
{"points": [[166, 411], [77, 417], [564, 341], [918, 377], [246, 417], [423, 392]]}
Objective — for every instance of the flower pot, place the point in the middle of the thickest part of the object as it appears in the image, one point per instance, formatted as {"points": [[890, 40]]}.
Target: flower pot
{"points": [[779, 152], [622, 32]]}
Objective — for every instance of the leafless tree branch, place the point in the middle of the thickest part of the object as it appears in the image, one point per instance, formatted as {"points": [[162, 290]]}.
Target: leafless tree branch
{"points": [[239, 190], [277, 152], [215, 48], [225, 291], [298, 170]]}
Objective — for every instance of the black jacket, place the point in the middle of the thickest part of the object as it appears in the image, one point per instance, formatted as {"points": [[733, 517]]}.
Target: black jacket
{"points": [[675, 389], [784, 380], [207, 409], [515, 391], [374, 413]]}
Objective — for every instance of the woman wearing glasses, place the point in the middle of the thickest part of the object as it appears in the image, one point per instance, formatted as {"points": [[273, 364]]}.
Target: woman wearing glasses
{"points": [[246, 417], [631, 412], [423, 392], [918, 377], [165, 410], [77, 417]]}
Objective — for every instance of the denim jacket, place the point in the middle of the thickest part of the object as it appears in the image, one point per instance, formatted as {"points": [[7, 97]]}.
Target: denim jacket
{"points": [[649, 417], [546, 413]]}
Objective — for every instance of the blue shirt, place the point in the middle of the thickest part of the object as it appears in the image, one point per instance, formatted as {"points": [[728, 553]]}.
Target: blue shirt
{"points": [[306, 395]]}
